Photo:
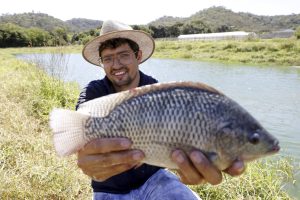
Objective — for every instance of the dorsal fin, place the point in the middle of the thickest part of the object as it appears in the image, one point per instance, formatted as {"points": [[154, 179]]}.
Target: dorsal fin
{"points": [[102, 106], [162, 86]]}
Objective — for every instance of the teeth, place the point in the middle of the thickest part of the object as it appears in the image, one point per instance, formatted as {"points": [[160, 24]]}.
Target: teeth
{"points": [[119, 73]]}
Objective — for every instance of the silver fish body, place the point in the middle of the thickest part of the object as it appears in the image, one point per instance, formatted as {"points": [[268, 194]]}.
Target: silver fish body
{"points": [[162, 117]]}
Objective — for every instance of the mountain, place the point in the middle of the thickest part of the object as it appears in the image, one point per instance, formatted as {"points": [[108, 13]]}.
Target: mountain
{"points": [[218, 17], [81, 24], [168, 21], [214, 19], [49, 23], [39, 20]]}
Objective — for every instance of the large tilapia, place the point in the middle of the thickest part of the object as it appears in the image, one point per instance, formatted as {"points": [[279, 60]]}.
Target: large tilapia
{"points": [[162, 117]]}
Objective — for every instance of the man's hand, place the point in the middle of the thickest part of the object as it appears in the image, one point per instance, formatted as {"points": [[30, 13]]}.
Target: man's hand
{"points": [[103, 158], [197, 169]]}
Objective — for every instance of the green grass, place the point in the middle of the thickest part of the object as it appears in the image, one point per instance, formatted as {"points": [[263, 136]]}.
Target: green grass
{"points": [[30, 169], [279, 52]]}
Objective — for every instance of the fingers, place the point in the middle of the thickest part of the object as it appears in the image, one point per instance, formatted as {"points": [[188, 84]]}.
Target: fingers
{"points": [[236, 169], [105, 145], [109, 159], [103, 158], [196, 169], [210, 173], [188, 173]]}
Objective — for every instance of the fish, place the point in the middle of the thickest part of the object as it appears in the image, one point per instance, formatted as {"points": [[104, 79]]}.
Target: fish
{"points": [[162, 117]]}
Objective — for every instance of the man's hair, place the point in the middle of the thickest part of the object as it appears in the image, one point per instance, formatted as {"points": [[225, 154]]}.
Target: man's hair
{"points": [[116, 42]]}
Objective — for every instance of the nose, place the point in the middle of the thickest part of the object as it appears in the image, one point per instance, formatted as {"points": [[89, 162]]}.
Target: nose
{"points": [[117, 64]]}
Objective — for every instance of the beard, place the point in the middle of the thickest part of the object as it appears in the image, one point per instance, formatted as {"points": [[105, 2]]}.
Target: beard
{"points": [[122, 82]]}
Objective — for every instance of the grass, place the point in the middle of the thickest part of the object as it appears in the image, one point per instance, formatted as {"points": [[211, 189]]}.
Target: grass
{"points": [[30, 169], [279, 52]]}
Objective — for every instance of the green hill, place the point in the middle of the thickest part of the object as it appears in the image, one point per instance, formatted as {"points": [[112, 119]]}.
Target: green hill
{"points": [[81, 24], [221, 18], [214, 19], [38, 20]]}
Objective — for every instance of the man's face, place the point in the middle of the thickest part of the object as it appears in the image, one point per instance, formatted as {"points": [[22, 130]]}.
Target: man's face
{"points": [[121, 66]]}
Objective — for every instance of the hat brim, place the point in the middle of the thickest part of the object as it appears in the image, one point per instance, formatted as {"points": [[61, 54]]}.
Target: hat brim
{"points": [[146, 44]]}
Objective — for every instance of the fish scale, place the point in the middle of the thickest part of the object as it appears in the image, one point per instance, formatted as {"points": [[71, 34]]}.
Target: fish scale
{"points": [[162, 117]]}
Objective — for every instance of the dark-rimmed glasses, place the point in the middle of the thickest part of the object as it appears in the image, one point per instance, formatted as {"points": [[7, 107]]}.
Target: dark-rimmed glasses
{"points": [[124, 58]]}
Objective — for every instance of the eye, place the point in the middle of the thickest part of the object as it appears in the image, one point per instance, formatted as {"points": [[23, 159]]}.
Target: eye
{"points": [[254, 138], [124, 55], [107, 59]]}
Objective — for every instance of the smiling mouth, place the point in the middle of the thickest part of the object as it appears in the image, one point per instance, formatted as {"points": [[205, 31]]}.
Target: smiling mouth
{"points": [[119, 73]]}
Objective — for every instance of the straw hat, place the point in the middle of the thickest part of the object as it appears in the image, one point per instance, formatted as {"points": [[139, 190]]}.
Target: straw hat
{"points": [[113, 29]]}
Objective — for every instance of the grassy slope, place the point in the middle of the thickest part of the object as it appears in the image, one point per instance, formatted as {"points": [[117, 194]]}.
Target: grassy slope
{"points": [[279, 52], [30, 169]]}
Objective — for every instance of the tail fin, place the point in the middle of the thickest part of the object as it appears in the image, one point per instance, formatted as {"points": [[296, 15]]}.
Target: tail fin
{"points": [[68, 130]]}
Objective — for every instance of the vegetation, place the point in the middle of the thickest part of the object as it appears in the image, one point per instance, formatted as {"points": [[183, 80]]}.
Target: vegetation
{"points": [[38, 29], [38, 20], [30, 169], [220, 19], [281, 52], [12, 35], [83, 25], [297, 33]]}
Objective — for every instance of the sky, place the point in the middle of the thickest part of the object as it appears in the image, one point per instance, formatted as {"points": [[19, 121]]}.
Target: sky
{"points": [[141, 11]]}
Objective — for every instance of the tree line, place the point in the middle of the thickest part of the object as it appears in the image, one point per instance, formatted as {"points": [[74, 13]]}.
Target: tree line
{"points": [[12, 35]]}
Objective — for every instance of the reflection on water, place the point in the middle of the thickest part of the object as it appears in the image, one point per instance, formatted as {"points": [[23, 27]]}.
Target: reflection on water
{"points": [[270, 94]]}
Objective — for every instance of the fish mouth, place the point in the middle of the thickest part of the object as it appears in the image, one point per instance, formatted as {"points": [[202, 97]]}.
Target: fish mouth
{"points": [[273, 150], [275, 147]]}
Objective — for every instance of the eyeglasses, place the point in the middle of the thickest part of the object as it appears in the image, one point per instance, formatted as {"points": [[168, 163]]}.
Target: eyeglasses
{"points": [[124, 58]]}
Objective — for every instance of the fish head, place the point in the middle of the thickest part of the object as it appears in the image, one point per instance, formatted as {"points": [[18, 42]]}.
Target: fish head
{"points": [[241, 136]]}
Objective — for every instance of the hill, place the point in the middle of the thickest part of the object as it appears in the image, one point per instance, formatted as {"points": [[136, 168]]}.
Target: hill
{"points": [[221, 18], [39, 20], [81, 24], [214, 19], [49, 23]]}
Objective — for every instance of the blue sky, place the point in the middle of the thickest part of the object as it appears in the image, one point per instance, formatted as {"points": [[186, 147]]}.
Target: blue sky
{"points": [[143, 12]]}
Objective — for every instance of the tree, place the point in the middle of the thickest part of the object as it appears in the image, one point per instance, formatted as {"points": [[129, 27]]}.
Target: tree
{"points": [[12, 35], [38, 37], [59, 37]]}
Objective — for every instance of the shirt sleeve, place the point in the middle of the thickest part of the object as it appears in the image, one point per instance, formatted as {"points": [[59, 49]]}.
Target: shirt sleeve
{"points": [[91, 91]]}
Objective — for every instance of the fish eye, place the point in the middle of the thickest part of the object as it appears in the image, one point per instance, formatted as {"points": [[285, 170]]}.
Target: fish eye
{"points": [[254, 138]]}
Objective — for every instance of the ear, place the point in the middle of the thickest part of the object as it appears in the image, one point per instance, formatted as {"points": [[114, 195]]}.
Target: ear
{"points": [[139, 56]]}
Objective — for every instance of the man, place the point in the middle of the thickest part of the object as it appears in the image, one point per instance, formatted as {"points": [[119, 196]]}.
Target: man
{"points": [[116, 169]]}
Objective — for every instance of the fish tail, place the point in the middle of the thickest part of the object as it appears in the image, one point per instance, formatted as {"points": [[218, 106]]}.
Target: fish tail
{"points": [[68, 130]]}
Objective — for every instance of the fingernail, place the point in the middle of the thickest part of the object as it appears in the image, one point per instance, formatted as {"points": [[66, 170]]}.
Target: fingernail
{"points": [[240, 166], [178, 156], [137, 156], [125, 143], [196, 158]]}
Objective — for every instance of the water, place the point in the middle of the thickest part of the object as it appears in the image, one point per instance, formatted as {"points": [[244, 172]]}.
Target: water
{"points": [[270, 94]]}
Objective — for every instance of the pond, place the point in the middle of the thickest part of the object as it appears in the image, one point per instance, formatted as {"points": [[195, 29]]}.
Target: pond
{"points": [[270, 94]]}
